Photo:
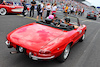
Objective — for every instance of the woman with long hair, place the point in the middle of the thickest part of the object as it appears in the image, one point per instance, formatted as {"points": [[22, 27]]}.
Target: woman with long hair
{"points": [[54, 8]]}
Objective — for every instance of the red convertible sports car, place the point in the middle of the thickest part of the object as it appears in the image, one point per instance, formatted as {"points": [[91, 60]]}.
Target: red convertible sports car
{"points": [[42, 40], [10, 8]]}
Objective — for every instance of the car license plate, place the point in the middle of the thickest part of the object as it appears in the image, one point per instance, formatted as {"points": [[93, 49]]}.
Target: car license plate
{"points": [[92, 15]]}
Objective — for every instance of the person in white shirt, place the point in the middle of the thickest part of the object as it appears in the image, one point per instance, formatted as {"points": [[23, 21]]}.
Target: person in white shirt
{"points": [[75, 11], [42, 6], [69, 9], [72, 10], [54, 8], [82, 11], [48, 8]]}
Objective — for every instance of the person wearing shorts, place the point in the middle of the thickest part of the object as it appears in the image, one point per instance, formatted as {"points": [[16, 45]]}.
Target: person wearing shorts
{"points": [[66, 10], [39, 11]]}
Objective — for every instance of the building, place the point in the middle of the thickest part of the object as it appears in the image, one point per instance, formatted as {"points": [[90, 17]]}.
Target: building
{"points": [[87, 3], [79, 0]]}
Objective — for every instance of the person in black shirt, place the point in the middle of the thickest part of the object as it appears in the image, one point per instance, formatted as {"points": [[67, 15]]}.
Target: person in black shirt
{"points": [[67, 24], [25, 8], [32, 8]]}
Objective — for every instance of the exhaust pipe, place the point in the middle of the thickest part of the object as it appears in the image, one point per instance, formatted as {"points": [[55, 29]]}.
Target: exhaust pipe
{"points": [[14, 52]]}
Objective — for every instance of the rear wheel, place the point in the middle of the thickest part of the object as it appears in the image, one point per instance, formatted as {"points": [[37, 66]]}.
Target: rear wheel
{"points": [[82, 38], [3, 11], [87, 17], [95, 18], [64, 55]]}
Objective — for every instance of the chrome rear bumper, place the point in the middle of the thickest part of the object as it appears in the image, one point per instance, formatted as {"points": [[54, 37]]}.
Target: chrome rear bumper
{"points": [[41, 58]]}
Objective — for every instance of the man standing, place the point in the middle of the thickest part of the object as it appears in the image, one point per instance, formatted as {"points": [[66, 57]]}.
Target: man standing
{"points": [[25, 8], [66, 10], [72, 10], [42, 5], [39, 11], [82, 11], [33, 3], [48, 7]]}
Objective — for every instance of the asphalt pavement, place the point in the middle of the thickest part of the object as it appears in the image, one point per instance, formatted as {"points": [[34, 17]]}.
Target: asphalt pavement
{"points": [[82, 54]]}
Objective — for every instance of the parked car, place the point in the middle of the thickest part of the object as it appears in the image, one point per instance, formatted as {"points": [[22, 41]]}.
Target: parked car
{"points": [[10, 8], [40, 40], [91, 15]]}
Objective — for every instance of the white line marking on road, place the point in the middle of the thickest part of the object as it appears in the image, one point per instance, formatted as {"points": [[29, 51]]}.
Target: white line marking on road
{"points": [[82, 59], [91, 21]]}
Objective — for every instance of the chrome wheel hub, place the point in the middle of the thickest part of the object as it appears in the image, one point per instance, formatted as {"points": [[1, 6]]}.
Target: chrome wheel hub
{"points": [[2, 11], [66, 52], [21, 49], [83, 37]]}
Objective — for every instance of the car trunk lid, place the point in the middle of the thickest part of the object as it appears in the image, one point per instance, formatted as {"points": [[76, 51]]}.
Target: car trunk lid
{"points": [[34, 36]]}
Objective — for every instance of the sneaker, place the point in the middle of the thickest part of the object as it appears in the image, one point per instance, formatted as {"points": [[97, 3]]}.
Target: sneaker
{"points": [[24, 17]]}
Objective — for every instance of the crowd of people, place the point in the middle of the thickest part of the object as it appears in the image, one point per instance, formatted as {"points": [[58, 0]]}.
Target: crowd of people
{"points": [[69, 7], [50, 17], [40, 9], [73, 8]]}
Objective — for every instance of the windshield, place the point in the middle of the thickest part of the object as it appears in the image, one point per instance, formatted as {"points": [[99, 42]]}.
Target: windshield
{"points": [[73, 20], [13, 2], [59, 22]]}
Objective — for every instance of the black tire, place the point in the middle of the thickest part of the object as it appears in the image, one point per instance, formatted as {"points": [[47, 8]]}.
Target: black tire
{"points": [[87, 17], [9, 46], [95, 18], [64, 55], [3, 11], [82, 38]]}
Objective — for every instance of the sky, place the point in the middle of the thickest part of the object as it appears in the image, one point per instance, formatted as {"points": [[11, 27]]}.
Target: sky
{"points": [[94, 2]]}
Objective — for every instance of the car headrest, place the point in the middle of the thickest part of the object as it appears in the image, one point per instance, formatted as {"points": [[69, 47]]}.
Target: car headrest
{"points": [[67, 19], [63, 25], [48, 21]]}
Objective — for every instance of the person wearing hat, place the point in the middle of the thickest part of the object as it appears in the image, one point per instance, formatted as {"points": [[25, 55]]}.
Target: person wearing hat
{"points": [[48, 8], [33, 3]]}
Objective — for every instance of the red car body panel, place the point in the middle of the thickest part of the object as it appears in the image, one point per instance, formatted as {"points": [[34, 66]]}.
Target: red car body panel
{"points": [[35, 37]]}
